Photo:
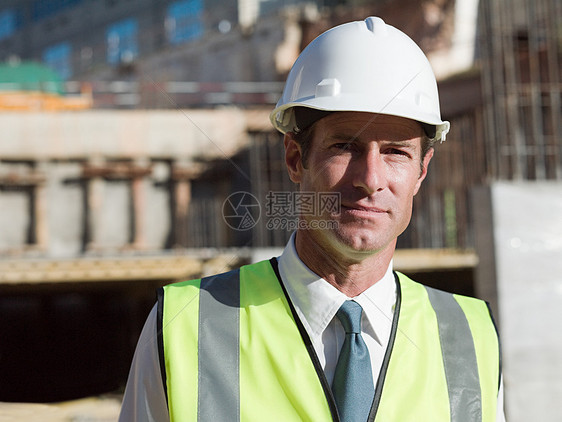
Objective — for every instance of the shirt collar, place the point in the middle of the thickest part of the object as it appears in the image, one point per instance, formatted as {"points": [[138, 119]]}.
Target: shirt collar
{"points": [[316, 301]]}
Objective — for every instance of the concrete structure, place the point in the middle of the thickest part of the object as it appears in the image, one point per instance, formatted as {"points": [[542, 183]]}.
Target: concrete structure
{"points": [[93, 208], [101, 181], [528, 248]]}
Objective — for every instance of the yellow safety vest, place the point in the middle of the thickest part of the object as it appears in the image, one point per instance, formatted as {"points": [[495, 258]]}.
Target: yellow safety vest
{"points": [[232, 348]]}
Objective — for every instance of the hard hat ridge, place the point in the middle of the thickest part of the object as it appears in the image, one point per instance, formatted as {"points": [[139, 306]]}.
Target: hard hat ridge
{"points": [[376, 25], [366, 66]]}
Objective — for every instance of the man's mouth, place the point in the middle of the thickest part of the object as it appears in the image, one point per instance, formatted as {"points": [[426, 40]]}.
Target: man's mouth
{"points": [[363, 209]]}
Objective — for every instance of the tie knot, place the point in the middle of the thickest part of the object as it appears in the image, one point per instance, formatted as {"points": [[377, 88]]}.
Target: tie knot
{"points": [[349, 315]]}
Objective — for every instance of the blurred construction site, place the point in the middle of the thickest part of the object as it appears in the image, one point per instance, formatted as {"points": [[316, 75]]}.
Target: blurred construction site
{"points": [[126, 126]]}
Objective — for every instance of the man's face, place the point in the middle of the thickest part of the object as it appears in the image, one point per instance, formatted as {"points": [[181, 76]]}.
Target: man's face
{"points": [[373, 162]]}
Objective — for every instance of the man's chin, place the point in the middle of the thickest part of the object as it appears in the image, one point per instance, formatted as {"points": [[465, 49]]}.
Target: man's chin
{"points": [[361, 244]]}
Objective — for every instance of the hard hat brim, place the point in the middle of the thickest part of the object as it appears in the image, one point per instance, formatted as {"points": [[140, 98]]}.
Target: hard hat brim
{"points": [[283, 117]]}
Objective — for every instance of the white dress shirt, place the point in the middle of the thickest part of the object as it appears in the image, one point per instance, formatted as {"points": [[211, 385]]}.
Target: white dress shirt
{"points": [[316, 303]]}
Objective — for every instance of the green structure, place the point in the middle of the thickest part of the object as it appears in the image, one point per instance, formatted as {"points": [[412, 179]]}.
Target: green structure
{"points": [[29, 76]]}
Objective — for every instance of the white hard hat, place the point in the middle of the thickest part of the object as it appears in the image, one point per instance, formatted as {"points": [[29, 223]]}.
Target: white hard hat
{"points": [[364, 66]]}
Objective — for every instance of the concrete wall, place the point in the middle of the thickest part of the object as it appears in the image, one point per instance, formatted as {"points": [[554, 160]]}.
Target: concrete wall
{"points": [[108, 181], [178, 134], [528, 247]]}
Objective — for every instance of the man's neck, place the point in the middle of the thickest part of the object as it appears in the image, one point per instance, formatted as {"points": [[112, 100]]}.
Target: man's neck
{"points": [[351, 274]]}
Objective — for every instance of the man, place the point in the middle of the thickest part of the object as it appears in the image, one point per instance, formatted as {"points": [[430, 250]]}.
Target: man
{"points": [[328, 331]]}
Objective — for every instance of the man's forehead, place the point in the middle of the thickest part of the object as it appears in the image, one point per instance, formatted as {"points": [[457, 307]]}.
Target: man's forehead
{"points": [[352, 123]]}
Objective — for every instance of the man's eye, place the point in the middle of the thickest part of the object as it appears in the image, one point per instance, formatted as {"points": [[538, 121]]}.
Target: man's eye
{"points": [[344, 146], [397, 151]]}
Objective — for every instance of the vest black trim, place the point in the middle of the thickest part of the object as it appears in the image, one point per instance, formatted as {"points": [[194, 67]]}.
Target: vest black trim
{"points": [[388, 353], [499, 343], [160, 338], [309, 347]]}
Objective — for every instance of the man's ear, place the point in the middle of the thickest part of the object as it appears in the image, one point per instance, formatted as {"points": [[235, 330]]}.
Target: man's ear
{"points": [[293, 157], [423, 174]]}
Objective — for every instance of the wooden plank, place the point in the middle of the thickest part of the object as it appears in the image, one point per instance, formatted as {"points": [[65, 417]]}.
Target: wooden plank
{"points": [[34, 271], [419, 260]]}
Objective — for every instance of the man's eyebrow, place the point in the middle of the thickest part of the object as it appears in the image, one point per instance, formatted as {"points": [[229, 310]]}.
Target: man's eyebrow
{"points": [[402, 143], [408, 143], [345, 138]]}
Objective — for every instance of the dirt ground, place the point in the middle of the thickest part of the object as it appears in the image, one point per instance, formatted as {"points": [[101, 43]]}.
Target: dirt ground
{"points": [[92, 409]]}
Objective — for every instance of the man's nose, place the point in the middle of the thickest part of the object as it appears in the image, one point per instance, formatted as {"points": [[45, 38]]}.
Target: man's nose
{"points": [[369, 172]]}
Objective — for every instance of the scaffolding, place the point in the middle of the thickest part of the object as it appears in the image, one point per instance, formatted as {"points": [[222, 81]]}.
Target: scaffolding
{"points": [[521, 58]]}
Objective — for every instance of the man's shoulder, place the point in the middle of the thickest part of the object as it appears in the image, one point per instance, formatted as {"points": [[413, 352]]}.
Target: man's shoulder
{"points": [[267, 265], [477, 309], [406, 281], [467, 303]]}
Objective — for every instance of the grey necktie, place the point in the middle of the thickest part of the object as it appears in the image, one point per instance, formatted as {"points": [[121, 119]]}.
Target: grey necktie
{"points": [[353, 380]]}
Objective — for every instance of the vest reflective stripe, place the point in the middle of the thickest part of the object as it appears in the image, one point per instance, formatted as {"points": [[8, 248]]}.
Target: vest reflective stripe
{"points": [[488, 354], [219, 326], [459, 358], [415, 387]]}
